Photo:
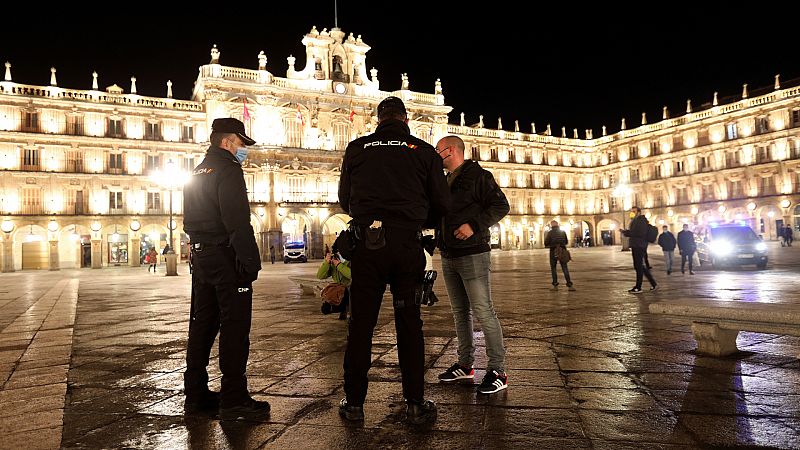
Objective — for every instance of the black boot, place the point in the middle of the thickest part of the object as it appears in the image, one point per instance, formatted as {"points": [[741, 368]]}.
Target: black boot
{"points": [[419, 412]]}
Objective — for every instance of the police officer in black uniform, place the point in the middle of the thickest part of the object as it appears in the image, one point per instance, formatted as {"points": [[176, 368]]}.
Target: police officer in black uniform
{"points": [[392, 185], [225, 262]]}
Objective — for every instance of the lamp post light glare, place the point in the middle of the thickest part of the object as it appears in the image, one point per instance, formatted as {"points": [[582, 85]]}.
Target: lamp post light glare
{"points": [[170, 178], [621, 192]]}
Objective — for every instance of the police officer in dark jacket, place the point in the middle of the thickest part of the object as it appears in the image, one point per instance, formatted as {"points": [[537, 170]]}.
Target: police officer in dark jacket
{"points": [[637, 232], [225, 261], [392, 185], [554, 239]]}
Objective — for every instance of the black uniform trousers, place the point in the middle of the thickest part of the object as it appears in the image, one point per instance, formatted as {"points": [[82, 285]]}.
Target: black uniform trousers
{"points": [[401, 264], [640, 266], [220, 303]]}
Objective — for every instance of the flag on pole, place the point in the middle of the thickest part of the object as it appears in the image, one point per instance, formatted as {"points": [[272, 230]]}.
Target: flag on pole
{"points": [[245, 113], [352, 114], [300, 116]]}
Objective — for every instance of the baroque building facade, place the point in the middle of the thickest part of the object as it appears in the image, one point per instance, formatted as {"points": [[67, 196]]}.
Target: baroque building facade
{"points": [[91, 178]]}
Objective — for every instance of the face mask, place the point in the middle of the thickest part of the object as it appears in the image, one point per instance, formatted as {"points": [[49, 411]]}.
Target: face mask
{"points": [[632, 215], [241, 154]]}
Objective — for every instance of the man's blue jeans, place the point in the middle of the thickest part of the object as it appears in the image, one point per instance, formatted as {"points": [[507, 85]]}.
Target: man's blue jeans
{"points": [[668, 259], [467, 281]]}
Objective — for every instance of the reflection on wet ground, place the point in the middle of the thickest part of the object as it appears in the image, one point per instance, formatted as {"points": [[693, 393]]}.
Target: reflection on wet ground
{"points": [[590, 368]]}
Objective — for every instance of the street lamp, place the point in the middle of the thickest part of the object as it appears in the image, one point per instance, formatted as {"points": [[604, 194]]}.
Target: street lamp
{"points": [[621, 192], [170, 178]]}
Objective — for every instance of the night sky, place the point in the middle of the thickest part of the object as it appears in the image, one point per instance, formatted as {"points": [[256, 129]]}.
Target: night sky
{"points": [[567, 65]]}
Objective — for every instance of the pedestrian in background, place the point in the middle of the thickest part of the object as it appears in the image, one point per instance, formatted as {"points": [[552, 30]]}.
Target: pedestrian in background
{"points": [[152, 259], [637, 233], [687, 247], [556, 241], [667, 243]]}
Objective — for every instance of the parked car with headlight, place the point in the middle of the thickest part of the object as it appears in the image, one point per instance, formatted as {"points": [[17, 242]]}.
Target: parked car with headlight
{"points": [[732, 245]]}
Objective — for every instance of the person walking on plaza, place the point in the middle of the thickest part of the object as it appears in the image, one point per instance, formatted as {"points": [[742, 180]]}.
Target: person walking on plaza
{"points": [[478, 204], [152, 259], [226, 261], [687, 247], [788, 235], [637, 233], [556, 241], [392, 184], [667, 243], [272, 254]]}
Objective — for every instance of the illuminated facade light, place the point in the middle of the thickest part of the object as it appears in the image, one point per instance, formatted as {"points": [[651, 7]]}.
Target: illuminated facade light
{"points": [[7, 226]]}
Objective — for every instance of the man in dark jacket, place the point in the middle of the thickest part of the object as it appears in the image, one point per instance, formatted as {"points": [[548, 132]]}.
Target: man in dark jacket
{"points": [[637, 233], [225, 262], [788, 235], [687, 247], [478, 204], [667, 242], [392, 185], [557, 238]]}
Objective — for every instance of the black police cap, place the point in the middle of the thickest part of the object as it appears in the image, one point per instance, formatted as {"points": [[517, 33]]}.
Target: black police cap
{"points": [[391, 103], [231, 125]]}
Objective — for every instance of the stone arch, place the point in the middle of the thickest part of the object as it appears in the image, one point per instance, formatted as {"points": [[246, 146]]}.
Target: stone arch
{"points": [[607, 232], [30, 247], [765, 225], [331, 228], [295, 226], [72, 240]]}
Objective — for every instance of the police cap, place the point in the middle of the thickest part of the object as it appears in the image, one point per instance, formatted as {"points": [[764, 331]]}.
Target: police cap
{"points": [[391, 106], [231, 125]]}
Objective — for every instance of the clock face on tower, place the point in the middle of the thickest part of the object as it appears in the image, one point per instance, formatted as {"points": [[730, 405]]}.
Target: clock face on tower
{"points": [[339, 88]]}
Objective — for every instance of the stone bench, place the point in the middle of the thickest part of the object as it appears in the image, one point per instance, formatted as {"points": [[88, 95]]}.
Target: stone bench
{"points": [[715, 324], [310, 285]]}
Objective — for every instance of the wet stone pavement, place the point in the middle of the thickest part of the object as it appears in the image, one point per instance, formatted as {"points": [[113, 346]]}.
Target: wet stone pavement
{"points": [[94, 359]]}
